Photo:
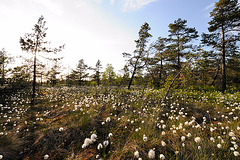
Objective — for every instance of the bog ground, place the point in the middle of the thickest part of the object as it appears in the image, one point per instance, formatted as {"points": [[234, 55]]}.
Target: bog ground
{"points": [[116, 123]]}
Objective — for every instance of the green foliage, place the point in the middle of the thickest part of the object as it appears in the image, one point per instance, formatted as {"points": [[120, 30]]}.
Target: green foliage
{"points": [[180, 35], [156, 60], [5, 59], [109, 75], [55, 70], [97, 70], [169, 80], [226, 12], [224, 28], [20, 78], [80, 73]]}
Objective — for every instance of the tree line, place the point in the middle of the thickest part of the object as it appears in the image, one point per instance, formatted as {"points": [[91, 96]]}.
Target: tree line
{"points": [[178, 60]]}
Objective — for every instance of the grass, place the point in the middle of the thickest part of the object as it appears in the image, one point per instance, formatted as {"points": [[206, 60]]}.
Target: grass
{"points": [[65, 116]]}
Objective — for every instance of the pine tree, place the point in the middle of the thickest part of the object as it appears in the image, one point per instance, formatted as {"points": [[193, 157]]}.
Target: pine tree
{"points": [[180, 35], [136, 60], [109, 75], [97, 70], [80, 73], [206, 67], [224, 26], [5, 59], [35, 43], [155, 60], [55, 70]]}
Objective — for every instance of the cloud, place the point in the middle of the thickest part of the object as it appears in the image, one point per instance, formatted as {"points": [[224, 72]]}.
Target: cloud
{"points": [[128, 5], [90, 34], [53, 7], [98, 1], [133, 5], [112, 2], [4, 9], [209, 7]]}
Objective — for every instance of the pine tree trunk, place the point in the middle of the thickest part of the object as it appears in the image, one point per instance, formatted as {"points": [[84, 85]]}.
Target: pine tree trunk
{"points": [[3, 75], [98, 81], [161, 69], [178, 54], [130, 82], [41, 79], [34, 80], [223, 62], [34, 73]]}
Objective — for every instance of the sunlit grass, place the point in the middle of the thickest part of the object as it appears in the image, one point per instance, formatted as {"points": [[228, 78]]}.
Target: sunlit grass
{"points": [[128, 124]]}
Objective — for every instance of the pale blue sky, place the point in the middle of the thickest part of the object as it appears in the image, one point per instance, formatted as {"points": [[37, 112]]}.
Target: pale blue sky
{"points": [[97, 29]]}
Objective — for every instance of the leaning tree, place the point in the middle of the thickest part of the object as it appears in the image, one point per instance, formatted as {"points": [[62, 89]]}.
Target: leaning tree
{"points": [[136, 61]]}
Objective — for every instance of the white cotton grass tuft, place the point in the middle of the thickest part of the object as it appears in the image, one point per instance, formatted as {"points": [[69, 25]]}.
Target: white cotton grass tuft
{"points": [[197, 139], [84, 146], [219, 146], [100, 146], [105, 143], [212, 139], [93, 137], [235, 146], [60, 129], [144, 138], [183, 138], [174, 131], [110, 135], [1, 156], [162, 156], [163, 133], [87, 142], [189, 135], [108, 119], [231, 134], [46, 156], [151, 153], [234, 138], [236, 153], [136, 154], [163, 143], [232, 149]]}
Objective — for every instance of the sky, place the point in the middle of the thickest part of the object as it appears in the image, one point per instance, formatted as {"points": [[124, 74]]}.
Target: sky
{"points": [[96, 29]]}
